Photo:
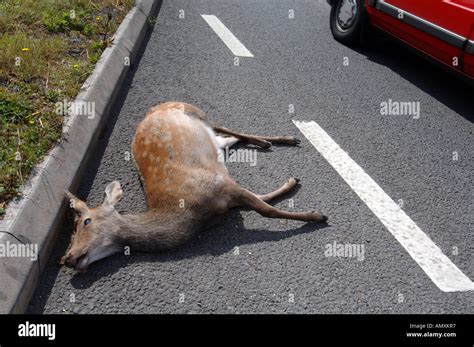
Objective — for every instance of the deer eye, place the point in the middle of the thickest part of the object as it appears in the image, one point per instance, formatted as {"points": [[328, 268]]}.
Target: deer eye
{"points": [[87, 221]]}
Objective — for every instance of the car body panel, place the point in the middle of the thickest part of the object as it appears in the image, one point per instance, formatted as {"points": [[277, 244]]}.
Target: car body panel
{"points": [[452, 15], [468, 58], [436, 48]]}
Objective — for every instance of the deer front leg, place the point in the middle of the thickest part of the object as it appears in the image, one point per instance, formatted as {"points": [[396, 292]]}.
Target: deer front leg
{"points": [[226, 141], [262, 141], [250, 200]]}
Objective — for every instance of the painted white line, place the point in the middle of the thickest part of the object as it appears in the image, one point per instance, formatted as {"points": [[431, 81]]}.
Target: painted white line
{"points": [[226, 36], [421, 248]]}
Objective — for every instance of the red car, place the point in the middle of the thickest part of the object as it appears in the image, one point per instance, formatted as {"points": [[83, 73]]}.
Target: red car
{"points": [[441, 29]]}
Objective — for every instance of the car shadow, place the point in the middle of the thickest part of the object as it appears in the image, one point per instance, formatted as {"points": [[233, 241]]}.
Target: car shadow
{"points": [[454, 91]]}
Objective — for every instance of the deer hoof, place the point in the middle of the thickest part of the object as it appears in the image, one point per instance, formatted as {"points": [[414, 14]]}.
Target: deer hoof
{"points": [[315, 216], [265, 144], [324, 219]]}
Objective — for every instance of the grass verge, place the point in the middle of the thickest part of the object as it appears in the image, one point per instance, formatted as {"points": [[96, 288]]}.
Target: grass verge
{"points": [[48, 49]]}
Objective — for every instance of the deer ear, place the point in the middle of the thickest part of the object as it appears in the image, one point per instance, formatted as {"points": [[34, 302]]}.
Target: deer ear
{"points": [[76, 204], [113, 193]]}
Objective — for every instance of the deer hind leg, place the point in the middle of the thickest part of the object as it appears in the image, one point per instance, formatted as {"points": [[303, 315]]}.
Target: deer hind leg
{"points": [[261, 141], [252, 201], [285, 188]]}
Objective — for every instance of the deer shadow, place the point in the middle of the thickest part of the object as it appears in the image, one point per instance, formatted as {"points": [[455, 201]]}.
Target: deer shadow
{"points": [[224, 237]]}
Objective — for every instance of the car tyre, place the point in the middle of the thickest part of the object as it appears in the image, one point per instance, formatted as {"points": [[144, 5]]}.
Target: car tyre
{"points": [[347, 21]]}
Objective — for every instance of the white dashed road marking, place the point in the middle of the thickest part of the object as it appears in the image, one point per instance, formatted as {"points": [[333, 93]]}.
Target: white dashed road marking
{"points": [[226, 36], [421, 248]]}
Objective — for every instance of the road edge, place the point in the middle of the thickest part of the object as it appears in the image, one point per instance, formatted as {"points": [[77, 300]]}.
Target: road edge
{"points": [[34, 218]]}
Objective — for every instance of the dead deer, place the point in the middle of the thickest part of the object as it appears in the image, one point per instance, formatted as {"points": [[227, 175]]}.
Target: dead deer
{"points": [[177, 156]]}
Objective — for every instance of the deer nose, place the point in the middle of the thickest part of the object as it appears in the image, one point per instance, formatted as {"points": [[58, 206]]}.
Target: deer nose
{"points": [[70, 259], [77, 259], [73, 256]]}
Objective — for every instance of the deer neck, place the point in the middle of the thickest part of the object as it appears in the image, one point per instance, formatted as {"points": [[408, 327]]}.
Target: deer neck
{"points": [[154, 230]]}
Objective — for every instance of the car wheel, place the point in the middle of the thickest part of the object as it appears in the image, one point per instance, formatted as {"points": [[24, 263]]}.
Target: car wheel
{"points": [[347, 21]]}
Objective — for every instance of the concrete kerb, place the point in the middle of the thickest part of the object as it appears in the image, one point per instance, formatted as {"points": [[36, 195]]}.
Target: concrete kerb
{"points": [[35, 217]]}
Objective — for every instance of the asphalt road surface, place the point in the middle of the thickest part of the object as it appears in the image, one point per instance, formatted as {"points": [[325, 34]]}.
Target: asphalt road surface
{"points": [[250, 264]]}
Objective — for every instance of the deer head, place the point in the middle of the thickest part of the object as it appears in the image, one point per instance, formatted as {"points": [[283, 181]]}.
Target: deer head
{"points": [[96, 229]]}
